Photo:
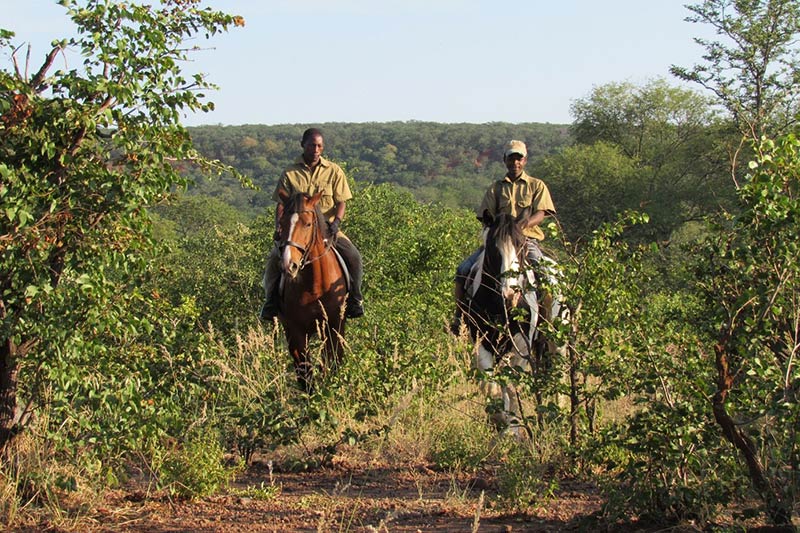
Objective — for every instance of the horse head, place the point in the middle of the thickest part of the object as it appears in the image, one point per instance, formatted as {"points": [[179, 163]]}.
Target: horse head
{"points": [[504, 245], [302, 229]]}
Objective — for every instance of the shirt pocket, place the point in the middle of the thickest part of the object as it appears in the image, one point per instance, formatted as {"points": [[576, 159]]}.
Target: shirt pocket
{"points": [[520, 205], [326, 202]]}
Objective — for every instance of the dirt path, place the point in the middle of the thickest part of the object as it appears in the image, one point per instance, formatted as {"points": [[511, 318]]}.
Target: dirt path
{"points": [[340, 499], [387, 499]]}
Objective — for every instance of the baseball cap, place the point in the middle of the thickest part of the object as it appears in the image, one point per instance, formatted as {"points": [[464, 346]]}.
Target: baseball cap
{"points": [[515, 147]]}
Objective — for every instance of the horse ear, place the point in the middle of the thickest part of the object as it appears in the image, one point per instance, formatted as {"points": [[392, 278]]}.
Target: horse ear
{"points": [[486, 218], [283, 195], [314, 199]]}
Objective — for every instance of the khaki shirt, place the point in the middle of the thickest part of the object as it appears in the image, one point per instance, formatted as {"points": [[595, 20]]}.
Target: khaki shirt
{"points": [[327, 176], [511, 197]]}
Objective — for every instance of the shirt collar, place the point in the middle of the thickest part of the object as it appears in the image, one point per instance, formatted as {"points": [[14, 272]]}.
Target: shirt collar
{"points": [[322, 162], [523, 177]]}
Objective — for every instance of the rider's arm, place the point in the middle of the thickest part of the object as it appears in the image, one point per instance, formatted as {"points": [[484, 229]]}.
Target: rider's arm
{"points": [[280, 195], [340, 210], [534, 219]]}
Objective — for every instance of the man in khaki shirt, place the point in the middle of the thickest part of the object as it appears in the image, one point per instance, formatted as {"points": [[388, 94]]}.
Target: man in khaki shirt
{"points": [[310, 174], [517, 194]]}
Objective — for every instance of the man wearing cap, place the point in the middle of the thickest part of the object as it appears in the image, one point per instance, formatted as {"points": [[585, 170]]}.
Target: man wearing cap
{"points": [[517, 194]]}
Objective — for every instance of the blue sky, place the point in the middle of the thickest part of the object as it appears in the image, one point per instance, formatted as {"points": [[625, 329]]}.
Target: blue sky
{"points": [[478, 61]]}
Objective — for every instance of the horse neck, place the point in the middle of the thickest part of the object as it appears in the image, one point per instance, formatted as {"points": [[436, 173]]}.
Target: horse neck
{"points": [[322, 266]]}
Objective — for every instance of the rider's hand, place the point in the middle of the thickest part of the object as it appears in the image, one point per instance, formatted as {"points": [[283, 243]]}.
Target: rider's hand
{"points": [[334, 227], [485, 218]]}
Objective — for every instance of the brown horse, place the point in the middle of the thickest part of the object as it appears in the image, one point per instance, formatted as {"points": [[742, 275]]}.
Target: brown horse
{"points": [[314, 286]]}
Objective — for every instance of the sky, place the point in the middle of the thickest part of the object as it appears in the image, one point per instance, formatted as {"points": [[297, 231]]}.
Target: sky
{"points": [[451, 61]]}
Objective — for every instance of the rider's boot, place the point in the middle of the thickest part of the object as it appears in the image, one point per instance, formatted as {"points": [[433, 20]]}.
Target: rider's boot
{"points": [[355, 305], [458, 315], [271, 307]]}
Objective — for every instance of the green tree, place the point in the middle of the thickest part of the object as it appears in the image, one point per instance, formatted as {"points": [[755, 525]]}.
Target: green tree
{"points": [[671, 139], [754, 70], [215, 258], [82, 152], [592, 183], [750, 281]]}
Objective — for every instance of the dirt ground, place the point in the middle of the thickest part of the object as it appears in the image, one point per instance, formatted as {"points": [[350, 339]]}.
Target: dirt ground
{"points": [[375, 498]]}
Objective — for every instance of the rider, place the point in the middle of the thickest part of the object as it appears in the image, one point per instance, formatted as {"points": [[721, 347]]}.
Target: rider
{"points": [[520, 195], [309, 174]]}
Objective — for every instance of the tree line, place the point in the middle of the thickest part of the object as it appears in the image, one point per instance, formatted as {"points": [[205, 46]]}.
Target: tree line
{"points": [[656, 147], [446, 163]]}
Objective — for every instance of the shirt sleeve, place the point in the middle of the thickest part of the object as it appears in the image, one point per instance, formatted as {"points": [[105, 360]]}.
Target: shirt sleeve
{"points": [[341, 189], [488, 203], [542, 200], [283, 185]]}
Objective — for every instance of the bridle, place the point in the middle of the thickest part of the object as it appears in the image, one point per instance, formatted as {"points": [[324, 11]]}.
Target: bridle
{"points": [[305, 251]]}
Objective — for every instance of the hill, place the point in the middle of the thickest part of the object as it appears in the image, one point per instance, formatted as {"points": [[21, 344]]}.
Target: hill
{"points": [[447, 163]]}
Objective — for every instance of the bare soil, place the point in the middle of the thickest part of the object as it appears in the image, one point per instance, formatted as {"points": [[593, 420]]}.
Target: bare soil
{"points": [[348, 498]]}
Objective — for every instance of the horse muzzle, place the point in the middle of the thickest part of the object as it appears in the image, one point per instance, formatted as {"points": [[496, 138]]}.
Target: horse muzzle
{"points": [[292, 269], [513, 298], [511, 291], [291, 265]]}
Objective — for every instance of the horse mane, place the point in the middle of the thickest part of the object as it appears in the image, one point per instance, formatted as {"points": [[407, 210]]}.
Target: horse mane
{"points": [[504, 227]]}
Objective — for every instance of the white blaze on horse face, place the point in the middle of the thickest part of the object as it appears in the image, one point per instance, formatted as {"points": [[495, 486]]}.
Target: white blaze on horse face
{"points": [[286, 260], [511, 282]]}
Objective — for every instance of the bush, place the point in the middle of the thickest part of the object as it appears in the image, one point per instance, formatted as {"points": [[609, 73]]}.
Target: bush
{"points": [[195, 468]]}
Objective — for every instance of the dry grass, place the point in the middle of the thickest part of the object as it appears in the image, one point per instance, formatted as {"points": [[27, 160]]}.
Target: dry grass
{"points": [[35, 486], [441, 430]]}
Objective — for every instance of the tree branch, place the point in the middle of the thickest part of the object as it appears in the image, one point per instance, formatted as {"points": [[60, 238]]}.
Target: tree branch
{"points": [[37, 83]]}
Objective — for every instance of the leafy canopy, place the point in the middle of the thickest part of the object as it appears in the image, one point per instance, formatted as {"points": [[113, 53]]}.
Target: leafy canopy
{"points": [[83, 150]]}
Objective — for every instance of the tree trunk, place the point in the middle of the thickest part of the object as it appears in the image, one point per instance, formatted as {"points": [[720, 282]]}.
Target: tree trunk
{"points": [[8, 391], [574, 396], [778, 510]]}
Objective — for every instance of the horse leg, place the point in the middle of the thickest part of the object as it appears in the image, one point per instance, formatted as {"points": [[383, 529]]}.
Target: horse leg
{"points": [[332, 348], [532, 299], [484, 361], [519, 360], [298, 347]]}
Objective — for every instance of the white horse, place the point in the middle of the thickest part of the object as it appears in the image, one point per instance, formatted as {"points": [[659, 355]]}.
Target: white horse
{"points": [[505, 315]]}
